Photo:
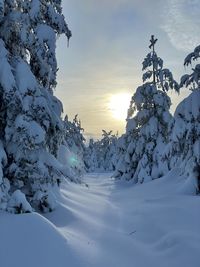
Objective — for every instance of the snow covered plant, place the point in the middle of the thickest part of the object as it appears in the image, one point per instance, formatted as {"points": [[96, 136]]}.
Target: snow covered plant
{"points": [[100, 154], [90, 156], [72, 150], [147, 124], [184, 148], [31, 125], [74, 136], [107, 150]]}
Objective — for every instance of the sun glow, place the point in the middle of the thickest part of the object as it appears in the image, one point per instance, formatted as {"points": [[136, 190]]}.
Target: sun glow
{"points": [[119, 104]]}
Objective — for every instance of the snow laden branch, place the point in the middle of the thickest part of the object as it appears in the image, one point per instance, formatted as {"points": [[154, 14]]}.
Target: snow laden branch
{"points": [[192, 80]]}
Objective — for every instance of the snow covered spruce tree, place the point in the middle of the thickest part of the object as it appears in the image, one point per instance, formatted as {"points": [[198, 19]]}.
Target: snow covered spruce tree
{"points": [[32, 129], [106, 151], [183, 150], [72, 150], [110, 162], [120, 160], [90, 156], [74, 136], [147, 123], [100, 154]]}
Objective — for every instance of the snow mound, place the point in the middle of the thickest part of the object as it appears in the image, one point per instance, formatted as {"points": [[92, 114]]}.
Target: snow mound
{"points": [[31, 240]]}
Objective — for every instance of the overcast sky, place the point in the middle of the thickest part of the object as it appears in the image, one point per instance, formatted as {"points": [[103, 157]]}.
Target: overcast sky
{"points": [[110, 40]]}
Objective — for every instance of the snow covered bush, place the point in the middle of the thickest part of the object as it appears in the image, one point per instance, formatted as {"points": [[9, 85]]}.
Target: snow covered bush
{"points": [[147, 125], [18, 203], [32, 129], [183, 151]]}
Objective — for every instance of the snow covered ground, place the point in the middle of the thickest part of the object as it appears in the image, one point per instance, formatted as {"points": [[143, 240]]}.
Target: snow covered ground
{"points": [[104, 223]]}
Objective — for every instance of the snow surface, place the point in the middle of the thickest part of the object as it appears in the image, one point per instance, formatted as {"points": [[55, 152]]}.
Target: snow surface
{"points": [[31, 240], [108, 223]]}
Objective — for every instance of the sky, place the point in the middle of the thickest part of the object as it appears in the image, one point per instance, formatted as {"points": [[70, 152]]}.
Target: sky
{"points": [[102, 67]]}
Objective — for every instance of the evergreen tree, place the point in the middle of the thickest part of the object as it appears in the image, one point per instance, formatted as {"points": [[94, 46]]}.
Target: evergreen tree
{"points": [[100, 154], [32, 129], [4, 183], [112, 153], [183, 150], [106, 151], [74, 135], [147, 123], [90, 156], [74, 146]]}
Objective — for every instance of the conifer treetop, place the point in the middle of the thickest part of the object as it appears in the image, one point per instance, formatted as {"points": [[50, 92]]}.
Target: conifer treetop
{"points": [[152, 46], [161, 77]]}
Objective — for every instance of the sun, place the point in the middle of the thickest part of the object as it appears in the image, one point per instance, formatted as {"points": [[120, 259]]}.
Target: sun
{"points": [[119, 104]]}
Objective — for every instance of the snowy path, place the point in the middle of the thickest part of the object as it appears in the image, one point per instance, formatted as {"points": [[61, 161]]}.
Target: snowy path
{"points": [[109, 224]]}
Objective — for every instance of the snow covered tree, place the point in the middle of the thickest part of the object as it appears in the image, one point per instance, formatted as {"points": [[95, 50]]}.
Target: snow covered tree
{"points": [[183, 150], [32, 129], [122, 158], [90, 156], [100, 154], [106, 150], [73, 147], [147, 123], [74, 135], [4, 183], [111, 156]]}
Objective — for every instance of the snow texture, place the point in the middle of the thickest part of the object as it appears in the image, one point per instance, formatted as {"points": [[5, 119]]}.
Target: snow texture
{"points": [[108, 223]]}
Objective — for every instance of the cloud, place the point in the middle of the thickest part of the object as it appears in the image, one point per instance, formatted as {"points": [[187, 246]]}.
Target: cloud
{"points": [[181, 23]]}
